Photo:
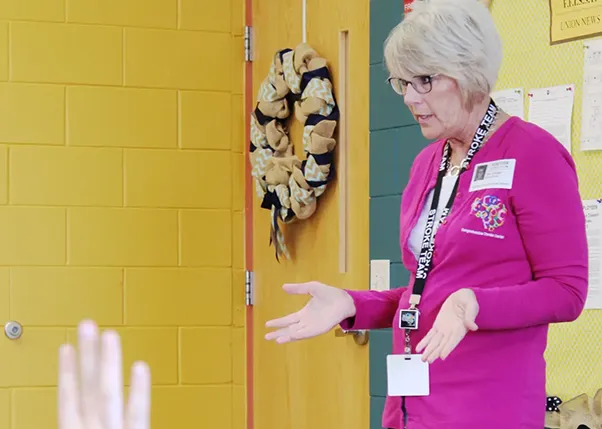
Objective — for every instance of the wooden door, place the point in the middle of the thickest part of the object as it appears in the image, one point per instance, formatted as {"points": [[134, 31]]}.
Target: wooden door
{"points": [[322, 382]]}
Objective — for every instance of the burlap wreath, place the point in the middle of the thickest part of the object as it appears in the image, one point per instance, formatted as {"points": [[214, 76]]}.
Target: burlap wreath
{"points": [[288, 186]]}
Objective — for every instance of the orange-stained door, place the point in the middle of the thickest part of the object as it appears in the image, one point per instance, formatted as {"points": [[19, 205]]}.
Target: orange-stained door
{"points": [[323, 382]]}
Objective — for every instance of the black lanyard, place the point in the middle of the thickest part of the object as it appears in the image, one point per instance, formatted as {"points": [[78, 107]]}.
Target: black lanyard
{"points": [[428, 240]]}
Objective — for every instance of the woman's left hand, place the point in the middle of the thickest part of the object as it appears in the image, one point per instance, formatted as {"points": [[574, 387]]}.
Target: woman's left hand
{"points": [[456, 317]]}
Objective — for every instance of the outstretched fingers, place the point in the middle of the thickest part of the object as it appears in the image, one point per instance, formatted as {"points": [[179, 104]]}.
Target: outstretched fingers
{"points": [[282, 335], [450, 343], [90, 384], [293, 326], [299, 331], [68, 395], [295, 289], [426, 340], [112, 380], [285, 321], [433, 347], [300, 288], [303, 332], [138, 408], [89, 367]]}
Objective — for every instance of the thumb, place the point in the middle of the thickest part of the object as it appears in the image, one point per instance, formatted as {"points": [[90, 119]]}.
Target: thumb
{"points": [[471, 326], [471, 309], [470, 315], [300, 288]]}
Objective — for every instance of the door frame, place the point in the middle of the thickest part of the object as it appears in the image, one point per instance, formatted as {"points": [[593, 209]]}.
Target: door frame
{"points": [[248, 217]]}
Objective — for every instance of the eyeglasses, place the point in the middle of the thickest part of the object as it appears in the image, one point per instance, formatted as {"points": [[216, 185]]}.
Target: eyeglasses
{"points": [[421, 84]]}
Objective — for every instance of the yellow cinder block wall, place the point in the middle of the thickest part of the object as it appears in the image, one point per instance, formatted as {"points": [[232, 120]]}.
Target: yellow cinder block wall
{"points": [[574, 349], [121, 198]]}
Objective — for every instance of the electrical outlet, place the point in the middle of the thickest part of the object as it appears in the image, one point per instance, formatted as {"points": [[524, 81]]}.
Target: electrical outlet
{"points": [[380, 274]]}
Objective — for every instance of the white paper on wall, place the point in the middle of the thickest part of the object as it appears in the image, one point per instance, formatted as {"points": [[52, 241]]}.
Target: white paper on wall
{"points": [[593, 217], [591, 116], [552, 109], [511, 101]]}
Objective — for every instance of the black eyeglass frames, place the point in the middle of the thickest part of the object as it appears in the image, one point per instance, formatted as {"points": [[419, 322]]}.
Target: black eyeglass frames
{"points": [[421, 84]]}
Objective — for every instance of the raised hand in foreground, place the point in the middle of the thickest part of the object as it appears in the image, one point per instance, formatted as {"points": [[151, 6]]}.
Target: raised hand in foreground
{"points": [[90, 392], [327, 307]]}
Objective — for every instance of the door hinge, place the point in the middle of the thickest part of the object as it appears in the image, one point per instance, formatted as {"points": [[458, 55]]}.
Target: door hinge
{"points": [[248, 43], [249, 288]]}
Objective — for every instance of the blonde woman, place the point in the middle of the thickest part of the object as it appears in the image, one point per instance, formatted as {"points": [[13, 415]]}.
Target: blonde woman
{"points": [[492, 233]]}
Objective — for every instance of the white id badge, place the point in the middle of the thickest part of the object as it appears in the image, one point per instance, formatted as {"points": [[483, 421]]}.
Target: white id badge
{"points": [[407, 375], [491, 175]]}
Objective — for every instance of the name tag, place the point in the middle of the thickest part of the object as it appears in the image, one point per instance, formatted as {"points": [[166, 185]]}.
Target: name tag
{"points": [[407, 375], [495, 174]]}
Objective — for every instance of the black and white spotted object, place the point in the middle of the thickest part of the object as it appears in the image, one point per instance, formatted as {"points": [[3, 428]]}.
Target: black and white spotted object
{"points": [[552, 403]]}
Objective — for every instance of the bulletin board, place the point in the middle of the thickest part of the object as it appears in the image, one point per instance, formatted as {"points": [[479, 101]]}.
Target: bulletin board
{"points": [[574, 354]]}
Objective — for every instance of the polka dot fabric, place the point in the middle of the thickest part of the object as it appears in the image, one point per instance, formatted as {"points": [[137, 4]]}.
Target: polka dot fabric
{"points": [[552, 403]]}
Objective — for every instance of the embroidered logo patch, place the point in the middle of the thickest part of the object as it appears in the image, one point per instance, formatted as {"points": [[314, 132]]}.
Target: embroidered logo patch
{"points": [[491, 210]]}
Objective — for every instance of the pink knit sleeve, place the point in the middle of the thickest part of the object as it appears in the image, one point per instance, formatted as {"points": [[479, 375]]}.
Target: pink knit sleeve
{"points": [[373, 309], [551, 221]]}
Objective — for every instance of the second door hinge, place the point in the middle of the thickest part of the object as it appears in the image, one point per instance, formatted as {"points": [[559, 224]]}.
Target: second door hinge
{"points": [[249, 288], [248, 43]]}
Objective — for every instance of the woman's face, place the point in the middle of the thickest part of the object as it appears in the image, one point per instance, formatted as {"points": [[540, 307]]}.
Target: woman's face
{"points": [[440, 112]]}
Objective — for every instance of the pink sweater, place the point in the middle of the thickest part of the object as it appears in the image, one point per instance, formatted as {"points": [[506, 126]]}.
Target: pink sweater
{"points": [[529, 270]]}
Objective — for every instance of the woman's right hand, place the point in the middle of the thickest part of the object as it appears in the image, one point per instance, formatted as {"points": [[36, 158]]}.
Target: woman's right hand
{"points": [[327, 307]]}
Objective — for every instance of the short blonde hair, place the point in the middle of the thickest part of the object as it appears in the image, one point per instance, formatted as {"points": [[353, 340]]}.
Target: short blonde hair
{"points": [[455, 38]]}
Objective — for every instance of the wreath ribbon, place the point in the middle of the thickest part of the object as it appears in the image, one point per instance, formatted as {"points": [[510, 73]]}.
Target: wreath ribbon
{"points": [[288, 186]]}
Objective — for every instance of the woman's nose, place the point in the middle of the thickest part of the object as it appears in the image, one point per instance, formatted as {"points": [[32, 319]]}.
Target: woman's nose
{"points": [[411, 97]]}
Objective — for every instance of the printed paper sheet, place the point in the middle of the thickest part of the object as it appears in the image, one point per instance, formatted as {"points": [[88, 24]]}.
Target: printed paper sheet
{"points": [[552, 109], [591, 120], [510, 101], [593, 215]]}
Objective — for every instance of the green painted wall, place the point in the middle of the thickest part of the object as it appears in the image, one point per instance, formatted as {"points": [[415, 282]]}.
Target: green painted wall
{"points": [[395, 140]]}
